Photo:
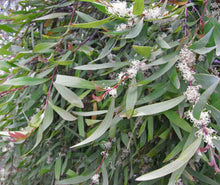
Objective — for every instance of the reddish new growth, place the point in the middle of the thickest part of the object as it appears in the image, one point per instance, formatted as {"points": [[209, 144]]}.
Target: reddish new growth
{"points": [[212, 155], [16, 136], [107, 90]]}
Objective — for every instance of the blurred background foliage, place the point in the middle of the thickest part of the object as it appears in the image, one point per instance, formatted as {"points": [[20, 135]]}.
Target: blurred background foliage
{"points": [[65, 116]]}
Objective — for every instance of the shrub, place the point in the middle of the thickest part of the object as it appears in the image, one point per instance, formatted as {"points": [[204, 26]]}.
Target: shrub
{"points": [[110, 92]]}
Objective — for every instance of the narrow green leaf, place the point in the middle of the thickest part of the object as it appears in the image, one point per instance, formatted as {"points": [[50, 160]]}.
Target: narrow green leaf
{"points": [[205, 80], [215, 113], [25, 81], [102, 128], [5, 52], [150, 127], [135, 31], [102, 66], [37, 119], [157, 107], [217, 144], [57, 169], [175, 118], [38, 140], [165, 134], [64, 114], [177, 130], [203, 41], [76, 82], [204, 50], [63, 63], [86, 17], [62, 5], [94, 24], [76, 180], [112, 131], [107, 49], [69, 95], [160, 72], [86, 49], [138, 7], [157, 148], [48, 118], [200, 104], [131, 98], [43, 47], [154, 95], [91, 113], [217, 40], [81, 126], [20, 55], [92, 121], [174, 78], [163, 60], [202, 178], [51, 16], [44, 73], [162, 43], [184, 157], [142, 128], [176, 175], [177, 149], [124, 139], [104, 174], [7, 28], [143, 50]]}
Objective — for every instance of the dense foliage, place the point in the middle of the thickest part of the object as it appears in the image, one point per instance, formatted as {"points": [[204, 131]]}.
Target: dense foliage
{"points": [[99, 92]]}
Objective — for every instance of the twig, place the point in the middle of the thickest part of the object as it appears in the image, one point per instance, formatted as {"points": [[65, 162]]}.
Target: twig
{"points": [[49, 91], [194, 8], [185, 21], [100, 164], [57, 48], [85, 41], [4, 93]]}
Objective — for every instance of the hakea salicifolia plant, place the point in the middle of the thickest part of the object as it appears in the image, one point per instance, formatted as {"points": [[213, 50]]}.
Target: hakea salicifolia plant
{"points": [[130, 72], [122, 9], [186, 65]]}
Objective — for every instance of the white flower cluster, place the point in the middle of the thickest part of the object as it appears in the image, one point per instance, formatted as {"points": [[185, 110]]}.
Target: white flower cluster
{"points": [[120, 8], [186, 60], [204, 119], [208, 135], [121, 27], [95, 179], [3, 174], [123, 10], [187, 56], [107, 145], [120, 77], [192, 93], [112, 92], [136, 65], [154, 13]]}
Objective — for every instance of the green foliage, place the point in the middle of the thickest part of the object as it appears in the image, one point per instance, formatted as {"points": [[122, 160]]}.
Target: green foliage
{"points": [[91, 93]]}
